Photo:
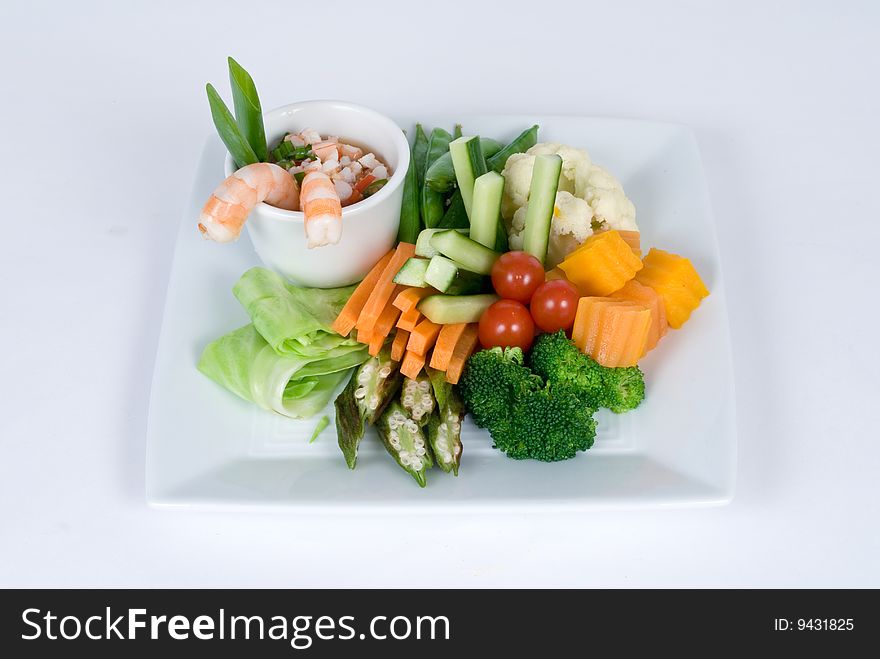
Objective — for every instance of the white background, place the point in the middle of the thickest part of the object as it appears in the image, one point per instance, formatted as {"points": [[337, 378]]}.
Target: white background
{"points": [[102, 121]]}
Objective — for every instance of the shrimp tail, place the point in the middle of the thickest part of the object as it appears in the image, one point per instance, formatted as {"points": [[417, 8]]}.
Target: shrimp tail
{"points": [[224, 214], [322, 209]]}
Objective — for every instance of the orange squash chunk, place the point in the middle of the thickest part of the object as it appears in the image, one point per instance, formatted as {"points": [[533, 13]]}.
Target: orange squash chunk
{"points": [[676, 281], [651, 300], [614, 332], [602, 265]]}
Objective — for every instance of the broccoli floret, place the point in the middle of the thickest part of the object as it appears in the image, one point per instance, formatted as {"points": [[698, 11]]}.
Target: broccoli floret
{"points": [[492, 380], [526, 417], [624, 388], [558, 359], [549, 424]]}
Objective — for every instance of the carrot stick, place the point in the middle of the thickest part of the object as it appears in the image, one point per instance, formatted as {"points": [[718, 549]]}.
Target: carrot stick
{"points": [[446, 340], [399, 345], [412, 365], [409, 319], [384, 287], [383, 328], [410, 297], [364, 336], [465, 346], [347, 318], [423, 337]]}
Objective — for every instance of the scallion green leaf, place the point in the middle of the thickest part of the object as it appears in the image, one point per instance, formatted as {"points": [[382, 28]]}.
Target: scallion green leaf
{"points": [[238, 146], [248, 112]]}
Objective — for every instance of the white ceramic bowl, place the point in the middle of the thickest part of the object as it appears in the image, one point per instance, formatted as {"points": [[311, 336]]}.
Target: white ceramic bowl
{"points": [[369, 227]]}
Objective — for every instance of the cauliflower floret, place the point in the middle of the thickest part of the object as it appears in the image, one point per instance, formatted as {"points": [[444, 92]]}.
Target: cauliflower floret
{"points": [[517, 179], [517, 173], [608, 201], [569, 227], [588, 198]]}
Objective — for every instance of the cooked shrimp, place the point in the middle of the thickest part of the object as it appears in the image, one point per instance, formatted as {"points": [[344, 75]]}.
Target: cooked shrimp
{"points": [[325, 151], [322, 209], [225, 212]]}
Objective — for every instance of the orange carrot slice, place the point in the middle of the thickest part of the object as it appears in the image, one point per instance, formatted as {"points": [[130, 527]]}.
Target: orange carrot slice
{"points": [[409, 319], [347, 318], [398, 348], [410, 297], [384, 287], [412, 364], [445, 344], [361, 185], [614, 332], [464, 348], [637, 292], [423, 337], [634, 240]]}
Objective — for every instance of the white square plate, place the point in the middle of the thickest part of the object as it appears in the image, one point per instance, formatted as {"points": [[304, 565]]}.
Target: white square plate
{"points": [[205, 446]]}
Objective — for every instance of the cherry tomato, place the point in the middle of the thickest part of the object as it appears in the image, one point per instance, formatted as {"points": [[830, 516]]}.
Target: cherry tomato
{"points": [[554, 305], [516, 275], [507, 323]]}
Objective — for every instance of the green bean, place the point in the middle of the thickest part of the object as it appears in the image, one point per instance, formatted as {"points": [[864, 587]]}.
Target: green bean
{"points": [[523, 142], [238, 146], [248, 112], [410, 225], [440, 176]]}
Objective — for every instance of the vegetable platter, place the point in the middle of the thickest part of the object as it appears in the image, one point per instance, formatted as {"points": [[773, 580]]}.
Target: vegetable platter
{"points": [[215, 445]]}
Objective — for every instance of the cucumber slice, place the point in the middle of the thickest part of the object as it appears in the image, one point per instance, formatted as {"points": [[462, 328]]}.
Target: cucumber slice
{"points": [[488, 190], [470, 254], [542, 198], [423, 242], [446, 309], [448, 277], [469, 163], [412, 273]]}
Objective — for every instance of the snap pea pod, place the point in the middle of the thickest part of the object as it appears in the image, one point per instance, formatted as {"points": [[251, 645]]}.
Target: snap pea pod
{"points": [[440, 176], [410, 222], [405, 442], [456, 132], [455, 216], [432, 202], [521, 143], [420, 153]]}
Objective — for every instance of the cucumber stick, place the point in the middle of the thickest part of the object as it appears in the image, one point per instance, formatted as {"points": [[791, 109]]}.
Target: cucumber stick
{"points": [[423, 242], [448, 277], [447, 309], [469, 163], [542, 199], [412, 273], [468, 253], [486, 210]]}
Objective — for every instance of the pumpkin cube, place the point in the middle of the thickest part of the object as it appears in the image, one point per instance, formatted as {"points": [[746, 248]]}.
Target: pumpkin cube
{"points": [[602, 265], [676, 281]]}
